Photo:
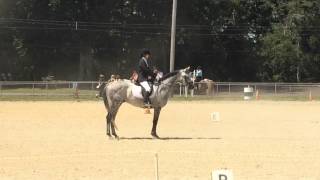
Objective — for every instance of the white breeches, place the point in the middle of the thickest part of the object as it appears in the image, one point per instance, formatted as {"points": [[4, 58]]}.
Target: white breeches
{"points": [[146, 86]]}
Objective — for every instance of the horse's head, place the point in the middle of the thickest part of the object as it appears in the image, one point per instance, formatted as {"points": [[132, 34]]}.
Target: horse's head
{"points": [[185, 77]]}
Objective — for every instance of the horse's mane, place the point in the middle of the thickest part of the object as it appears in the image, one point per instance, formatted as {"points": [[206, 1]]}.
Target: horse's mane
{"points": [[168, 75]]}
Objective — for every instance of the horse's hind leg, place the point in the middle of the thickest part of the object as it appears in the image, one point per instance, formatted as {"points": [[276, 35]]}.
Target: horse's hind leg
{"points": [[112, 124], [113, 130], [108, 123]]}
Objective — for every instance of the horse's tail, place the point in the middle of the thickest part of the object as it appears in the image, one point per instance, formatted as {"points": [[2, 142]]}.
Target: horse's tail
{"points": [[105, 98]]}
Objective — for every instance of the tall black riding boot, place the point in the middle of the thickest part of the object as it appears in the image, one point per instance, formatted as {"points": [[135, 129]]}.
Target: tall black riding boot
{"points": [[146, 99]]}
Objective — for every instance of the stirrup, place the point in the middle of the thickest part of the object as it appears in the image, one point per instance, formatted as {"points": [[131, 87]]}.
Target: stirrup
{"points": [[147, 111]]}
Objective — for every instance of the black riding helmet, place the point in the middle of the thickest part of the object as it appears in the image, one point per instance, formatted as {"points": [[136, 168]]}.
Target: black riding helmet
{"points": [[145, 52]]}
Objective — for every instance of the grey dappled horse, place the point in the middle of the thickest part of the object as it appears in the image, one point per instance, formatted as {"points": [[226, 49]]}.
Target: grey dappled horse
{"points": [[118, 92]]}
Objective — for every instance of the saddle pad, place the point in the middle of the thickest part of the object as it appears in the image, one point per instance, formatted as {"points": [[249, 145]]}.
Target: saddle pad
{"points": [[136, 92]]}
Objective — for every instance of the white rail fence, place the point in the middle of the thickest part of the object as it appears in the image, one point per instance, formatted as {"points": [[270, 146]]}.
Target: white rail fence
{"points": [[87, 89], [266, 89]]}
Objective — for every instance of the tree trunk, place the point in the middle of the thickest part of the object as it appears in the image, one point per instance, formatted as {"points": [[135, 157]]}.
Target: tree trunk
{"points": [[298, 74]]}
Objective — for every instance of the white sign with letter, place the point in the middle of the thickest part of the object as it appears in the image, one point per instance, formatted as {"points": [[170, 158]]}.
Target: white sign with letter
{"points": [[222, 174]]}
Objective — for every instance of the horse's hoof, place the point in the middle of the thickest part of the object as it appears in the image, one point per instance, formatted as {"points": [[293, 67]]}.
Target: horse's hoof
{"points": [[147, 111], [109, 137], [155, 136], [116, 137]]}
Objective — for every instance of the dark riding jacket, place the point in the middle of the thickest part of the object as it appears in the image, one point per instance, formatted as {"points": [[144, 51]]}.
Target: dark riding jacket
{"points": [[144, 70]]}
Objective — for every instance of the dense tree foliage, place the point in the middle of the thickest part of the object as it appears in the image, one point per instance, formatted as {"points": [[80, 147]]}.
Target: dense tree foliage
{"points": [[233, 40]]}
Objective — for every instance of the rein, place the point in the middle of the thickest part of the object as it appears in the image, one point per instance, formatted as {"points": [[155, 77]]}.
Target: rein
{"points": [[165, 84]]}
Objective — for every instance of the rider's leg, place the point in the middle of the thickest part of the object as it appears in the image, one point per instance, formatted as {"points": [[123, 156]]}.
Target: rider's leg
{"points": [[146, 94]]}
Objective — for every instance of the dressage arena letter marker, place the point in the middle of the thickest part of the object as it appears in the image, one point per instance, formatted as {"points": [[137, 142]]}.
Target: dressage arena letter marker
{"points": [[215, 116], [222, 174]]}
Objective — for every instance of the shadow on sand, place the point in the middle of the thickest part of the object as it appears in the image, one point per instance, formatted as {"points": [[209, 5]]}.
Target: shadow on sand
{"points": [[170, 138]]}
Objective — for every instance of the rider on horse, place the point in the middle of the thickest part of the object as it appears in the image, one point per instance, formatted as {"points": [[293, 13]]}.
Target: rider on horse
{"points": [[146, 76]]}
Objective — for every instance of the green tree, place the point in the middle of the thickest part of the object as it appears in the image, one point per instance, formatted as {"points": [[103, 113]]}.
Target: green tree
{"points": [[285, 48], [280, 55]]}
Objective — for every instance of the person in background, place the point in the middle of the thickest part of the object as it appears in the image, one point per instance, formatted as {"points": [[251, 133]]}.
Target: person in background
{"points": [[134, 77], [101, 85], [198, 76], [101, 79], [117, 77], [9, 77], [112, 78], [3, 77]]}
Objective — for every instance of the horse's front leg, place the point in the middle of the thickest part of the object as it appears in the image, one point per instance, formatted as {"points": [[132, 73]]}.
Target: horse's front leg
{"points": [[113, 129], [155, 122]]}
